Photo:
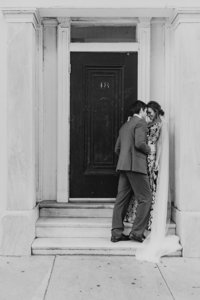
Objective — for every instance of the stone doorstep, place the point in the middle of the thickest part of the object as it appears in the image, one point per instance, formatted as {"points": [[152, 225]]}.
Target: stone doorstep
{"points": [[79, 222], [81, 204], [76, 212], [71, 222], [79, 227], [81, 209], [60, 224], [85, 246]]}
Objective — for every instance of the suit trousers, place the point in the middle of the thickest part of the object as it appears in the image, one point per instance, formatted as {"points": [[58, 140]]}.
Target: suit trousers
{"points": [[132, 183]]}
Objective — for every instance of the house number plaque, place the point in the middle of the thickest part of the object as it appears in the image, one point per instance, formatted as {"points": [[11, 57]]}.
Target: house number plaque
{"points": [[104, 85]]}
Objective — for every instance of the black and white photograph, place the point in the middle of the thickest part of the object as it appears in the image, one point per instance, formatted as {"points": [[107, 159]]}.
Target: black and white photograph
{"points": [[100, 151]]}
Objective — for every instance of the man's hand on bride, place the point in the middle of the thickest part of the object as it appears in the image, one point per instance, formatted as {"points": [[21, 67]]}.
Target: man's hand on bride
{"points": [[148, 120], [156, 166]]}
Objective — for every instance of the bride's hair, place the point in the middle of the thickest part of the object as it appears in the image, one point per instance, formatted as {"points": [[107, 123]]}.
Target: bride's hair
{"points": [[156, 108]]}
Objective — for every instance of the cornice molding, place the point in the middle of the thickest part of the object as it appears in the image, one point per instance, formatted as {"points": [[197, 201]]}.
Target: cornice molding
{"points": [[185, 16], [23, 16]]}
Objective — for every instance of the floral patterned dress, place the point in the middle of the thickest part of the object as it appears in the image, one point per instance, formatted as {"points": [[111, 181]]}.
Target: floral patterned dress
{"points": [[152, 139]]}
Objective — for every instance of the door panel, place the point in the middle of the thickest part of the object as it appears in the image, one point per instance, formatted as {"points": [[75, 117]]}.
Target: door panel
{"points": [[103, 86]]}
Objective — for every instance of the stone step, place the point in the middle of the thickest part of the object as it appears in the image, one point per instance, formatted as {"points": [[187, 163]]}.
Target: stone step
{"points": [[83, 210], [81, 204], [80, 227], [85, 246]]}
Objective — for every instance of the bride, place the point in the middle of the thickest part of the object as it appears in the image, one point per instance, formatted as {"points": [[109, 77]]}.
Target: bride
{"points": [[157, 243]]}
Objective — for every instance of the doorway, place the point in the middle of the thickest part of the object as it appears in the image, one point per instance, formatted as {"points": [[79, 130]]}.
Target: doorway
{"points": [[102, 88]]}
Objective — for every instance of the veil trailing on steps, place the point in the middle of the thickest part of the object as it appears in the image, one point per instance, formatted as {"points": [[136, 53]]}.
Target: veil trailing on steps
{"points": [[158, 243]]}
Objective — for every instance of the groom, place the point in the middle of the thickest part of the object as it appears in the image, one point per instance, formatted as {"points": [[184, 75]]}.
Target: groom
{"points": [[132, 149]]}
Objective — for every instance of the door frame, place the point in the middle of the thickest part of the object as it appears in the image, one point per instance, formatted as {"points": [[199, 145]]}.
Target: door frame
{"points": [[64, 69]]}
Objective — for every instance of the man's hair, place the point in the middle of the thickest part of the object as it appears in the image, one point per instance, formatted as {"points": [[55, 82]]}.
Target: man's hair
{"points": [[136, 107]]}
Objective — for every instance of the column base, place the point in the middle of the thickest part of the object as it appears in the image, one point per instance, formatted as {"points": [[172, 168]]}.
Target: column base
{"points": [[17, 231], [187, 228]]}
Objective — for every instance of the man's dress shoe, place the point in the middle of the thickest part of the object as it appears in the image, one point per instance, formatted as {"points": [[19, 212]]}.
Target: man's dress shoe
{"points": [[123, 237], [134, 237]]}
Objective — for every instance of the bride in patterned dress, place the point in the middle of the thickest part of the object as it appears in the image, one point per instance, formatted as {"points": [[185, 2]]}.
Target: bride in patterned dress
{"points": [[157, 243], [154, 114]]}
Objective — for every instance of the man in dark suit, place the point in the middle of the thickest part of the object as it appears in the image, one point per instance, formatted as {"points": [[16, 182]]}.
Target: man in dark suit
{"points": [[132, 149]]}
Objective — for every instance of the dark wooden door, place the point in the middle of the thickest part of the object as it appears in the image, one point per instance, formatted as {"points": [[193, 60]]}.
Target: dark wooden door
{"points": [[103, 86]]}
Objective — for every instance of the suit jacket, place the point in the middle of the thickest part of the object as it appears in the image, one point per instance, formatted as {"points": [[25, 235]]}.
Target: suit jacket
{"points": [[131, 146]]}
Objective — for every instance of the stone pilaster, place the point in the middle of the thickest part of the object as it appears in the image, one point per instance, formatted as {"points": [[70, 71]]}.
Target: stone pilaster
{"points": [[20, 214], [186, 26], [48, 109]]}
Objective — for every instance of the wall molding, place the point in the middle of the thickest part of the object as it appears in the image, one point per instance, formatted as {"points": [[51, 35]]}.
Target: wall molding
{"points": [[40, 114]]}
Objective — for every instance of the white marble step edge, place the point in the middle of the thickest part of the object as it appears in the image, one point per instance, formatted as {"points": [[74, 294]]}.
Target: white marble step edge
{"points": [[73, 222], [80, 205], [85, 246], [79, 227], [95, 212]]}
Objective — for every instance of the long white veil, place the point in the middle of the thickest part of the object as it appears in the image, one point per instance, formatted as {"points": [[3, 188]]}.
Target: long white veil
{"points": [[158, 243]]}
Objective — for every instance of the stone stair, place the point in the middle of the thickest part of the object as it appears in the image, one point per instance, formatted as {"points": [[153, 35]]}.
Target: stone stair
{"points": [[80, 228]]}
